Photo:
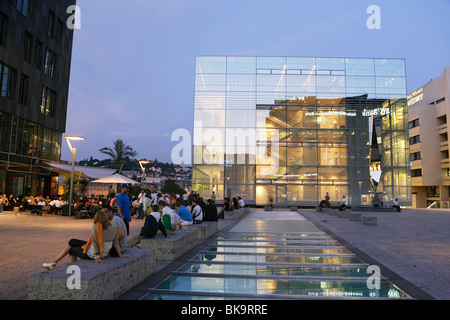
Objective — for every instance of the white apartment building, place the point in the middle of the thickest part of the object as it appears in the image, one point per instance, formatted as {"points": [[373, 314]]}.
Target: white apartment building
{"points": [[428, 114]]}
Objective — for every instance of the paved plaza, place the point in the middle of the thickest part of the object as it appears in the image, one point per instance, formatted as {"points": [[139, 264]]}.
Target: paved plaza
{"points": [[412, 247]]}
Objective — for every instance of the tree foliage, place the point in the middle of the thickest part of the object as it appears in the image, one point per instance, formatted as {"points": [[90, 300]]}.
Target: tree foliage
{"points": [[171, 187], [119, 153]]}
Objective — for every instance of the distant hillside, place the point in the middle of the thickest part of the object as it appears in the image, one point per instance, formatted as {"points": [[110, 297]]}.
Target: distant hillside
{"points": [[153, 168]]}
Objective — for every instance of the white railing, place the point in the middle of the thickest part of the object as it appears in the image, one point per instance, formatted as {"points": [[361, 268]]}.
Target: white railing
{"points": [[439, 205]]}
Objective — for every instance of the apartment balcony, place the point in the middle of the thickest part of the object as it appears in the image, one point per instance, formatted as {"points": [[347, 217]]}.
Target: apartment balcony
{"points": [[442, 129], [443, 146], [445, 163], [446, 181]]}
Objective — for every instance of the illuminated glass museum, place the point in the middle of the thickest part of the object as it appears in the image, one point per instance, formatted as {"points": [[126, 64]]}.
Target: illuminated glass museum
{"points": [[287, 130]]}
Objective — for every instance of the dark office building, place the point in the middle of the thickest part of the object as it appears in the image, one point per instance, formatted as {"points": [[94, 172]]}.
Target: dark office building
{"points": [[35, 59]]}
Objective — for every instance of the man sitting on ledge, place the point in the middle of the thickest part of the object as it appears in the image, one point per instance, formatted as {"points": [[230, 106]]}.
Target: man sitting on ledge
{"points": [[396, 205], [185, 215], [153, 223], [344, 205]]}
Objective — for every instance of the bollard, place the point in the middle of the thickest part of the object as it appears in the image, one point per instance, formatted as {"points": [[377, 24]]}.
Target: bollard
{"points": [[355, 217], [370, 221]]}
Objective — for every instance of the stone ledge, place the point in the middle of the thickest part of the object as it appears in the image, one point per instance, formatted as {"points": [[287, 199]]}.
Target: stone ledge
{"points": [[205, 229], [105, 281], [235, 214], [170, 248]]}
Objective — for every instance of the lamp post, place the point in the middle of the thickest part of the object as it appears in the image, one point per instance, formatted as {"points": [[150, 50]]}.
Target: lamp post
{"points": [[73, 151], [141, 162]]}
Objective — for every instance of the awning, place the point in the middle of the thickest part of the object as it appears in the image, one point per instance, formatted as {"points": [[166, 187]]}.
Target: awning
{"points": [[86, 172], [115, 178]]}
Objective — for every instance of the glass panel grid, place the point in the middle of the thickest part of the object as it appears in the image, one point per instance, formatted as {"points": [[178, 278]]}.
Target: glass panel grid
{"points": [[304, 111]]}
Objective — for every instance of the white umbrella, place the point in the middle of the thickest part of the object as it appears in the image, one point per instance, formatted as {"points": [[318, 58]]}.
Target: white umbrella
{"points": [[115, 178]]}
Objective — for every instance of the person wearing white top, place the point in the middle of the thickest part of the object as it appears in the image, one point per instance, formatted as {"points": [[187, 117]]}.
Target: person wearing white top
{"points": [[241, 202], [344, 205], [165, 209], [396, 205], [141, 210], [197, 212]]}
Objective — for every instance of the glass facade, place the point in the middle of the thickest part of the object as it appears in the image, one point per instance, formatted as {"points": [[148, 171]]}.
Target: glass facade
{"points": [[287, 130]]}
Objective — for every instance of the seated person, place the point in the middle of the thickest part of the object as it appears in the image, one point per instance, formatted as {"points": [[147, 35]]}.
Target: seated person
{"points": [[7, 206], [184, 214], [197, 212], [165, 210], [344, 205], [56, 205], [235, 203], [118, 223], [324, 204], [396, 205], [103, 238], [226, 207], [40, 206], [210, 211], [152, 224], [241, 202]]}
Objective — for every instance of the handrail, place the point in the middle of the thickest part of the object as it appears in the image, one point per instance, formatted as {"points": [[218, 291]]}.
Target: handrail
{"points": [[439, 205]]}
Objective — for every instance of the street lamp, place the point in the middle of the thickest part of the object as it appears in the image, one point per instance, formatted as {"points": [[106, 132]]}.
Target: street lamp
{"points": [[73, 151], [141, 162]]}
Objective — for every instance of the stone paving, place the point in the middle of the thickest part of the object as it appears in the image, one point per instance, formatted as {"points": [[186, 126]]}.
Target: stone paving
{"points": [[414, 244]]}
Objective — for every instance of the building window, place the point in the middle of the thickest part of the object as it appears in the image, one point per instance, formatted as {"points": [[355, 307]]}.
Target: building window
{"points": [[415, 156], [414, 123], [50, 63], [51, 24], [38, 55], [416, 173], [59, 31], [433, 191], [414, 140], [27, 47], [23, 90], [7, 81], [26, 7], [3, 29], [48, 100]]}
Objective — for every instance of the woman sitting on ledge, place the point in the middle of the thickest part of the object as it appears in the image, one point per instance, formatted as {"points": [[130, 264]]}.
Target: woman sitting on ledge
{"points": [[102, 239]]}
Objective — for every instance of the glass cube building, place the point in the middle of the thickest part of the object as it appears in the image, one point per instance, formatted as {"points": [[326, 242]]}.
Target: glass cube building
{"points": [[287, 130]]}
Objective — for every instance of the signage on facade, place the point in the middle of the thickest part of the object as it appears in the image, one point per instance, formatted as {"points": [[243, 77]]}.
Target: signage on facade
{"points": [[415, 97]]}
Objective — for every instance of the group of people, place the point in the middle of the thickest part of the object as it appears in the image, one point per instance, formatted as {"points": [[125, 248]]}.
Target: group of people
{"points": [[36, 204], [228, 205], [325, 203], [108, 238], [111, 226]]}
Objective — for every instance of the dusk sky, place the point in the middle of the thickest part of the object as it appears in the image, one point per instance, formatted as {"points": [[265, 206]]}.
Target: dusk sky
{"points": [[133, 64]]}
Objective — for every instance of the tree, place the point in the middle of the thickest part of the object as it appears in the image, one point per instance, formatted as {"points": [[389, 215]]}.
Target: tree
{"points": [[171, 187], [80, 186], [119, 153]]}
